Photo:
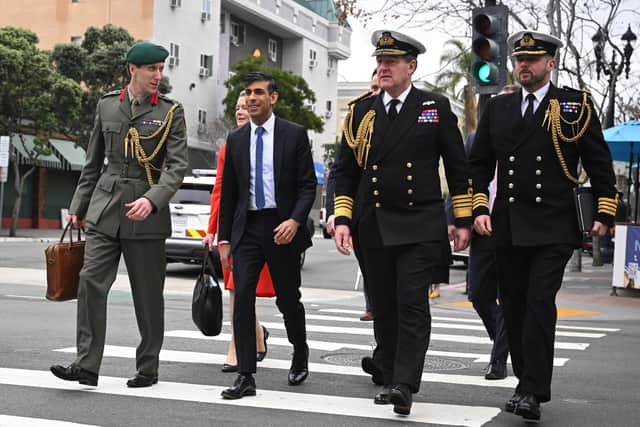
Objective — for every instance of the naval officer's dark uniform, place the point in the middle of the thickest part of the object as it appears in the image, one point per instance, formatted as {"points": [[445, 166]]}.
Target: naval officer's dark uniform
{"points": [[534, 215]]}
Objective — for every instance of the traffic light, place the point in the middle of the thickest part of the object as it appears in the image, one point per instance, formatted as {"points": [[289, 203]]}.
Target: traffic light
{"points": [[489, 51]]}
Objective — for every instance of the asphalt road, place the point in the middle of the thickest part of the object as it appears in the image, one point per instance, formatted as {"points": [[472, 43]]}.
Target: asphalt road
{"points": [[595, 380]]}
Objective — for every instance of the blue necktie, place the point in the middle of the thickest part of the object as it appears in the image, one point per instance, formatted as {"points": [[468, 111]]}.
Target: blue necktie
{"points": [[259, 183]]}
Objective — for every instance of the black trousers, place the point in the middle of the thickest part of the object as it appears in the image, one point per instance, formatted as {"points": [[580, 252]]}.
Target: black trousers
{"points": [[255, 248], [483, 293], [398, 278], [529, 279]]}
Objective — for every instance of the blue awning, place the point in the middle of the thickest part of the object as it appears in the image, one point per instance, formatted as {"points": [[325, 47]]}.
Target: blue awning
{"points": [[319, 167], [624, 140]]}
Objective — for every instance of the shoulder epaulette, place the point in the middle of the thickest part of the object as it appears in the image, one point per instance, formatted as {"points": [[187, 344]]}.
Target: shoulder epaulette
{"points": [[360, 98], [166, 98], [571, 89], [112, 93]]}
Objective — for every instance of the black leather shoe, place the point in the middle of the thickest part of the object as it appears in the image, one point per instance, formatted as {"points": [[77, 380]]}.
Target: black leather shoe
{"points": [[401, 398], [382, 398], [229, 368], [141, 380], [244, 385], [496, 371], [528, 408], [75, 373], [511, 404], [262, 354], [370, 367], [299, 366]]}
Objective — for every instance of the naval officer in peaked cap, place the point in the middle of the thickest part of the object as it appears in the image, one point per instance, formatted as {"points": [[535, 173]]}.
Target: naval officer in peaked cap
{"points": [[537, 136], [388, 197]]}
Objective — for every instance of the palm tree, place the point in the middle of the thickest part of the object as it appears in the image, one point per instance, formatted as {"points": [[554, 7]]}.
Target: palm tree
{"points": [[456, 77]]}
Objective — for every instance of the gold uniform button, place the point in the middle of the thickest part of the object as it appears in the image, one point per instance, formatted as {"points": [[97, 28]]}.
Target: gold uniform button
{"points": [[512, 159], [538, 172], [538, 158], [410, 191], [376, 193], [374, 167], [538, 186], [510, 185], [512, 199], [511, 172], [378, 204], [410, 204], [409, 178], [374, 179], [538, 199], [409, 165]]}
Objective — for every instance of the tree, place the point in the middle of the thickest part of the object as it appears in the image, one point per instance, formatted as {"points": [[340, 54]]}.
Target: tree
{"points": [[99, 64], [456, 77], [295, 97], [34, 97]]}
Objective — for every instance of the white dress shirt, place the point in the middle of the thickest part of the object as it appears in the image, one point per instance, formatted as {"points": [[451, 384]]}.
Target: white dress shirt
{"points": [[539, 94], [386, 99], [268, 177]]}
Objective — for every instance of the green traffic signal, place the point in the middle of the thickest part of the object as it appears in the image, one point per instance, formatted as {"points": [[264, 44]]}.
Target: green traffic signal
{"points": [[489, 50], [484, 72]]}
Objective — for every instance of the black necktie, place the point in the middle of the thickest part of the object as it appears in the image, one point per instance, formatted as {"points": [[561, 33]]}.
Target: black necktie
{"points": [[393, 110], [528, 113]]}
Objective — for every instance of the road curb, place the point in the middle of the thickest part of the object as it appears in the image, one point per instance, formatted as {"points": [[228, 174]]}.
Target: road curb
{"points": [[28, 239]]}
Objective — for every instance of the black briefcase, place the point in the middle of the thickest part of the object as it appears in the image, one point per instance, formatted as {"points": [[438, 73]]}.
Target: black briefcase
{"points": [[585, 208], [206, 306]]}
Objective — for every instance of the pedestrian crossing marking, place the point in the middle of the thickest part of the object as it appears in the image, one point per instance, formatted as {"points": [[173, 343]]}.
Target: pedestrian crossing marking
{"points": [[325, 368], [335, 346], [467, 339], [563, 312], [442, 414], [11, 421], [446, 326]]}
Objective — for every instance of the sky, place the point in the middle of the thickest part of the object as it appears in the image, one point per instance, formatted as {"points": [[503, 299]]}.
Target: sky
{"points": [[361, 64]]}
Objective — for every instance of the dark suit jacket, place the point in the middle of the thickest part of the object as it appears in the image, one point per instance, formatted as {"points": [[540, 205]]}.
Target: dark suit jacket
{"points": [[397, 198], [295, 182], [534, 205]]}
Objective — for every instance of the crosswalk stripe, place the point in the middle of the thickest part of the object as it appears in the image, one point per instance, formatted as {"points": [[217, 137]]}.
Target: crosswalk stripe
{"points": [[335, 346], [12, 421], [325, 368], [468, 339], [443, 414], [448, 326]]}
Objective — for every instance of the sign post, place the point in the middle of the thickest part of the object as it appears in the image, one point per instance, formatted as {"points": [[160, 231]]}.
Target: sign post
{"points": [[5, 143]]}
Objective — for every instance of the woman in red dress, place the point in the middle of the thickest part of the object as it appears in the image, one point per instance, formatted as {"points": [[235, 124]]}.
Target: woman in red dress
{"points": [[265, 285]]}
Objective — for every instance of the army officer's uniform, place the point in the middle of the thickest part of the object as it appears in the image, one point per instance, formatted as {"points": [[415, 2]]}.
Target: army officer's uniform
{"points": [[138, 148], [388, 193], [534, 215]]}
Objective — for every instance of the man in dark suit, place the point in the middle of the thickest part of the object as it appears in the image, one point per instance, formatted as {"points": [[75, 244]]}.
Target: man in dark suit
{"points": [[388, 195], [267, 193], [537, 136]]}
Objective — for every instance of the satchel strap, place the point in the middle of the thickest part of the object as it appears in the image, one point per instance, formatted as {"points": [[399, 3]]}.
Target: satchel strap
{"points": [[68, 227], [207, 261]]}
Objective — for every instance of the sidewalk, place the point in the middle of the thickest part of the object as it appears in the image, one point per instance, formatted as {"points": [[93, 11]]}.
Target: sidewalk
{"points": [[31, 235]]}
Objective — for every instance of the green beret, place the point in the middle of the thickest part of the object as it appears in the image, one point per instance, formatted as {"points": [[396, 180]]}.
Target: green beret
{"points": [[146, 53]]}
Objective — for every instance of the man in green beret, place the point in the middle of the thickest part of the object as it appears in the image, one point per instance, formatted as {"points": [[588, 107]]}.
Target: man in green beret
{"points": [[136, 160]]}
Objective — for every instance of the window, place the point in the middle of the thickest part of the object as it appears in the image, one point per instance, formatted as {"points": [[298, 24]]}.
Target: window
{"points": [[75, 1], [76, 39], [206, 10], [174, 54], [273, 50], [328, 113], [206, 65], [237, 33], [175, 3], [223, 23], [202, 121], [328, 105], [313, 61]]}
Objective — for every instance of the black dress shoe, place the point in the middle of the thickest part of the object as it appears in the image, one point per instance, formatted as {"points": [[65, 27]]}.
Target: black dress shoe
{"points": [[75, 373], [528, 408], [401, 398], [299, 366], [370, 367], [229, 368], [262, 354], [496, 371], [141, 380], [382, 398], [244, 385], [511, 404]]}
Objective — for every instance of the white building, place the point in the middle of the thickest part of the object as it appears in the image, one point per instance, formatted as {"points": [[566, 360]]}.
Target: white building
{"points": [[206, 38]]}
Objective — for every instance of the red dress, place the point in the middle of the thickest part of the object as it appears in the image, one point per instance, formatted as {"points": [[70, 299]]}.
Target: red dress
{"points": [[265, 284]]}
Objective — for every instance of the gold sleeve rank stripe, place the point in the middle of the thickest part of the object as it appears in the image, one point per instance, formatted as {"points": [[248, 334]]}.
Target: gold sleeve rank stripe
{"points": [[607, 205], [343, 206], [480, 200], [462, 205]]}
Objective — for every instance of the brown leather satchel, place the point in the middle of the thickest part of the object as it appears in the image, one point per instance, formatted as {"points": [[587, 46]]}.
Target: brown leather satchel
{"points": [[64, 262]]}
